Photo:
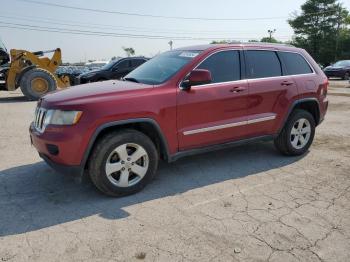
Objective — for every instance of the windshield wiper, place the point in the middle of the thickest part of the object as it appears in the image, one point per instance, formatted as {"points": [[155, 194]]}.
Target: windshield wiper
{"points": [[131, 79]]}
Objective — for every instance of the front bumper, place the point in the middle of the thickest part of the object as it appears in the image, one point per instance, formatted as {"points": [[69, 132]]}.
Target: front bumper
{"points": [[76, 171], [65, 159]]}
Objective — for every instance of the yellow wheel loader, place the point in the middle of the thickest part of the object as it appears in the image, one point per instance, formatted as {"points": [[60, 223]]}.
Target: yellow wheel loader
{"points": [[31, 71]]}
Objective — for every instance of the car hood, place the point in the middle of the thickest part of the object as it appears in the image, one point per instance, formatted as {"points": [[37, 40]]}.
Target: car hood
{"points": [[93, 92]]}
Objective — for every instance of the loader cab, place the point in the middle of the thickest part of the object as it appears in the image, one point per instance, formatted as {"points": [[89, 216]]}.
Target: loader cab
{"points": [[4, 55]]}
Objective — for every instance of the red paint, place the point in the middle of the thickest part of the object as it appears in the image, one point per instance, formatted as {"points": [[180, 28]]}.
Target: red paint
{"points": [[177, 111]]}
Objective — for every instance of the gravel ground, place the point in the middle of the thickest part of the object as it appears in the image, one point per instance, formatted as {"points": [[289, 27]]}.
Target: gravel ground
{"points": [[243, 204]]}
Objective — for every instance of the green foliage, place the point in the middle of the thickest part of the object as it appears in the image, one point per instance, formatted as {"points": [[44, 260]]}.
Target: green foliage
{"points": [[269, 40], [322, 30], [129, 51]]}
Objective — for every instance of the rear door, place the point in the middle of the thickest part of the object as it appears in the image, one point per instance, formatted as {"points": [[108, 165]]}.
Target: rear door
{"points": [[270, 91], [217, 112], [303, 74]]}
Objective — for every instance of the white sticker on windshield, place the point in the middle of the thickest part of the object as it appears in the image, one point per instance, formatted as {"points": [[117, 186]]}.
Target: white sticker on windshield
{"points": [[188, 54]]}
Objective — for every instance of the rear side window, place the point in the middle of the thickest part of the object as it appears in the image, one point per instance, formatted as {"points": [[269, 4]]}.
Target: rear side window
{"points": [[137, 62], [123, 65], [223, 66], [295, 63], [263, 64]]}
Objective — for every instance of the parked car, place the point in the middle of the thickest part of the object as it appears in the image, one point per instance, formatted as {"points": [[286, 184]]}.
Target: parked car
{"points": [[72, 72], [4, 55], [3, 76], [96, 64], [182, 102], [339, 69], [116, 69]]}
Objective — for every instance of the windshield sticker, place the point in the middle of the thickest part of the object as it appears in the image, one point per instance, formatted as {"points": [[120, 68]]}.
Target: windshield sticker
{"points": [[188, 54]]}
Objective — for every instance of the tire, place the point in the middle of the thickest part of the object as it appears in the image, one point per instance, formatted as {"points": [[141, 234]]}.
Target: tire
{"points": [[109, 150], [346, 76], [293, 139], [37, 82]]}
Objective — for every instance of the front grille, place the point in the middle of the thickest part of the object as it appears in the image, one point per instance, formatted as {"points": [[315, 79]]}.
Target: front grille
{"points": [[39, 120]]}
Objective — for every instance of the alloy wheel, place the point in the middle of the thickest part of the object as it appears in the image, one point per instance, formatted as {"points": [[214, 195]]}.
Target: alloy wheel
{"points": [[300, 133], [127, 165]]}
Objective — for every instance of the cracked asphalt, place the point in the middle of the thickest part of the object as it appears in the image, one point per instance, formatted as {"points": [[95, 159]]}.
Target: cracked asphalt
{"points": [[243, 204]]}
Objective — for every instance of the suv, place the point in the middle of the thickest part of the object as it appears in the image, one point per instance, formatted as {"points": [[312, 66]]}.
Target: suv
{"points": [[180, 103], [116, 69]]}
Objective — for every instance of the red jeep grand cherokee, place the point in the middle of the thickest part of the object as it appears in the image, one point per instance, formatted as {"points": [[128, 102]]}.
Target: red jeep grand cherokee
{"points": [[180, 103]]}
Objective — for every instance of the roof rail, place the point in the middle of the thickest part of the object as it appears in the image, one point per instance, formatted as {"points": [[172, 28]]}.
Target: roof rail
{"points": [[260, 43]]}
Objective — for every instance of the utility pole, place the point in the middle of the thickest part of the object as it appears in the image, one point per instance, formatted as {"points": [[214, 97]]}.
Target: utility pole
{"points": [[271, 32], [171, 44]]}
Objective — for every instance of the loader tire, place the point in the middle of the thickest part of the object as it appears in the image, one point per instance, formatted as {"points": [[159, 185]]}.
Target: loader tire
{"points": [[37, 82]]}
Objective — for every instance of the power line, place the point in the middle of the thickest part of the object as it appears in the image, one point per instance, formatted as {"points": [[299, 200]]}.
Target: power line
{"points": [[160, 16], [101, 33], [112, 27], [148, 15]]}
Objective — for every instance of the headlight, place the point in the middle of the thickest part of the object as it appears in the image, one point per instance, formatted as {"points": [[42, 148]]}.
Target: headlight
{"points": [[59, 117]]}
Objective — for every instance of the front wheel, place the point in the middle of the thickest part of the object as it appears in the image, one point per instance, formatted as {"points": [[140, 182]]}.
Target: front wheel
{"points": [[123, 162], [297, 135]]}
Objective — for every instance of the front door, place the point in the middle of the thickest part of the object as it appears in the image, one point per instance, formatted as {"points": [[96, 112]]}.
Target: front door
{"points": [[216, 112]]}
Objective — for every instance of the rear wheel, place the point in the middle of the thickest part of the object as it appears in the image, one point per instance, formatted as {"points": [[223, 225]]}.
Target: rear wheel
{"points": [[37, 82], [123, 162], [346, 76], [297, 135]]}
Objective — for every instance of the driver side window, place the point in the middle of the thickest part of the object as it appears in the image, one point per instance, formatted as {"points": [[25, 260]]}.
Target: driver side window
{"points": [[224, 66]]}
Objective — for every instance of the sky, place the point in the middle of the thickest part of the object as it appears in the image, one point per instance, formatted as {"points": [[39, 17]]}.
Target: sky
{"points": [[81, 47]]}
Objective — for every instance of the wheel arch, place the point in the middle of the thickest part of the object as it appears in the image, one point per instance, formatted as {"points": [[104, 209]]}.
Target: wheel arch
{"points": [[310, 105], [147, 126]]}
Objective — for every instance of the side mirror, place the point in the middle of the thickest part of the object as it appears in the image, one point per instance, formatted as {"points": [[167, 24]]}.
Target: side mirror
{"points": [[197, 77]]}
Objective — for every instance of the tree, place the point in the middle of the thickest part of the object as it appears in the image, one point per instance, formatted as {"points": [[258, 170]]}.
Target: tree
{"points": [[129, 51], [318, 29], [269, 40]]}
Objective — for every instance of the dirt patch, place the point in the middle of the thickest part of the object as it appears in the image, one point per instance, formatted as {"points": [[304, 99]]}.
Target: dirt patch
{"points": [[344, 106], [332, 142]]}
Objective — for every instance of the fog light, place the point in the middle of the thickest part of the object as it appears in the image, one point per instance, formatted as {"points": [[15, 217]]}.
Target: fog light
{"points": [[53, 149]]}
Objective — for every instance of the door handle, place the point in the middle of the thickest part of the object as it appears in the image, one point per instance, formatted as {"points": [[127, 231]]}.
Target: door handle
{"points": [[287, 83], [238, 89]]}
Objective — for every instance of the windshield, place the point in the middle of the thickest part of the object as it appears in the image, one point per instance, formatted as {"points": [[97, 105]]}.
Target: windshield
{"points": [[110, 64], [342, 63], [162, 67]]}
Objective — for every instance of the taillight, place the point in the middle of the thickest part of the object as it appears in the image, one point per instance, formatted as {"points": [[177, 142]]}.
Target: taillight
{"points": [[324, 87]]}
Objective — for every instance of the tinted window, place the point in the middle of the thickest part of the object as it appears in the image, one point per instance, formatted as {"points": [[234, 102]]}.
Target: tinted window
{"points": [[122, 65], [223, 66], [295, 63], [263, 64], [137, 62]]}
